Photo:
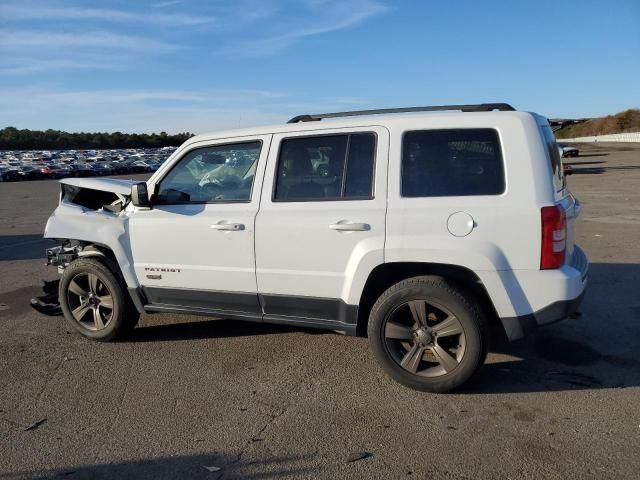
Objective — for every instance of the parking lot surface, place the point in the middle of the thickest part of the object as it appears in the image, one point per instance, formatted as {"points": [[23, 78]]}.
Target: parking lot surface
{"points": [[190, 397]]}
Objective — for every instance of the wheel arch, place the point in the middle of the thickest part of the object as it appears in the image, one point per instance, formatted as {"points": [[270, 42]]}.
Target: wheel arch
{"points": [[387, 274], [106, 255]]}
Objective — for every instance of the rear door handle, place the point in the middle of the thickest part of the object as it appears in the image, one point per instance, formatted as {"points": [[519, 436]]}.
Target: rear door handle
{"points": [[227, 227], [345, 226]]}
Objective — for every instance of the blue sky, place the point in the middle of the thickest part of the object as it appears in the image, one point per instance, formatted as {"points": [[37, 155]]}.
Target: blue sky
{"points": [[190, 65]]}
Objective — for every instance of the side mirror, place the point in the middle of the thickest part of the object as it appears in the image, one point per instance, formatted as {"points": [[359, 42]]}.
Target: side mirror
{"points": [[139, 195]]}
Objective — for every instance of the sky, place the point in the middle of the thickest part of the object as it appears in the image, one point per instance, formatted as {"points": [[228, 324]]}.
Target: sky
{"points": [[198, 66]]}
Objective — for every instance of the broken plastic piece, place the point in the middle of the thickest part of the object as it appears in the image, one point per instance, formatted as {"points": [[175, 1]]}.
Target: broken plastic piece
{"points": [[48, 303], [211, 468]]}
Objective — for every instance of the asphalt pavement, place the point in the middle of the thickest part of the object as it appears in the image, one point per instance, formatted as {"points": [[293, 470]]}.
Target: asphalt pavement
{"points": [[193, 397]]}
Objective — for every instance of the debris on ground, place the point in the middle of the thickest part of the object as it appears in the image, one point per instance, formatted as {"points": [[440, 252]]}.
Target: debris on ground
{"points": [[35, 425], [48, 303], [354, 457], [211, 468]]}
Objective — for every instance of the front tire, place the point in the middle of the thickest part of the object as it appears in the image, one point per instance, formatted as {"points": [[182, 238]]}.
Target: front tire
{"points": [[426, 335], [94, 301]]}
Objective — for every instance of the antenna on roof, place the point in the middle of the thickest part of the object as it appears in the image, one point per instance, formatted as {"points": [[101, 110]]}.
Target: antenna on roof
{"points": [[481, 107]]}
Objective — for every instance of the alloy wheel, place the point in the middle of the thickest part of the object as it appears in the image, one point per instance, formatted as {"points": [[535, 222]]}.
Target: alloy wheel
{"points": [[90, 301], [424, 338]]}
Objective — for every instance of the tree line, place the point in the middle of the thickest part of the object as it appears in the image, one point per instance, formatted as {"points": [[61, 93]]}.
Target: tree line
{"points": [[13, 139]]}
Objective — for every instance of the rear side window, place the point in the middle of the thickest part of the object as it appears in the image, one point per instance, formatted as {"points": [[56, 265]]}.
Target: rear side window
{"points": [[554, 157], [456, 162], [327, 167]]}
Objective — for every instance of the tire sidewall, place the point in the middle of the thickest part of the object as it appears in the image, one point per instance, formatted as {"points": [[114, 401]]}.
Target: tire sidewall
{"points": [[440, 293], [88, 265]]}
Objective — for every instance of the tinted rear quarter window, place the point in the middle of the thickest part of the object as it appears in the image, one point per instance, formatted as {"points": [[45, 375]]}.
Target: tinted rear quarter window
{"points": [[554, 157], [454, 162]]}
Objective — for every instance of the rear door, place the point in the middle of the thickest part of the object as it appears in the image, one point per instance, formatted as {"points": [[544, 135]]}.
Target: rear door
{"points": [[321, 222], [194, 249]]}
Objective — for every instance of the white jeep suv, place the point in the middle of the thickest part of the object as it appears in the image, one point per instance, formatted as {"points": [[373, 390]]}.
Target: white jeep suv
{"points": [[418, 228]]}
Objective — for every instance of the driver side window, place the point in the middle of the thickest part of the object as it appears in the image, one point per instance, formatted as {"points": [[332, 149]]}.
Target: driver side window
{"points": [[220, 173]]}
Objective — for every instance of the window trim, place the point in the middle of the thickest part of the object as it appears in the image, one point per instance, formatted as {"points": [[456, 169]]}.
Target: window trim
{"points": [[345, 168], [158, 182], [499, 143]]}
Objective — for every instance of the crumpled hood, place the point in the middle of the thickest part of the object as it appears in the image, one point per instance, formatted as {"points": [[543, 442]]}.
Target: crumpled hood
{"points": [[117, 186]]}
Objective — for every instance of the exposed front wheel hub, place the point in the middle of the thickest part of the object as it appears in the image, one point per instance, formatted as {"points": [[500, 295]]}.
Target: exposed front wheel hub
{"points": [[423, 336]]}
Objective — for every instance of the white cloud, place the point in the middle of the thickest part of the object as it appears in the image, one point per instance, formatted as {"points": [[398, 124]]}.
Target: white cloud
{"points": [[169, 3], [154, 110], [325, 16], [29, 66], [20, 39], [40, 12], [48, 99]]}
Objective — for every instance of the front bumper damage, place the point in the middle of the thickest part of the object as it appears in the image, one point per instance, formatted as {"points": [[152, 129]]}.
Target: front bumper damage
{"points": [[59, 256]]}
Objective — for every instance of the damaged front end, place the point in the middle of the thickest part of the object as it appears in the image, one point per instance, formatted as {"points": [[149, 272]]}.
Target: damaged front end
{"points": [[62, 255], [90, 220], [107, 194]]}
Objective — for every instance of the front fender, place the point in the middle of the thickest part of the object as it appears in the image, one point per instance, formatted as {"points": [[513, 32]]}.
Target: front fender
{"points": [[101, 227]]}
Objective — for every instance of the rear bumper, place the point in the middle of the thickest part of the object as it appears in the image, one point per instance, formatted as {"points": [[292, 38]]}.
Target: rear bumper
{"points": [[573, 283], [553, 313]]}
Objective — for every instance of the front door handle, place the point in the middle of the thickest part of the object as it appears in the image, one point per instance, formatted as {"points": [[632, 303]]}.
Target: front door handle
{"points": [[346, 226], [227, 226]]}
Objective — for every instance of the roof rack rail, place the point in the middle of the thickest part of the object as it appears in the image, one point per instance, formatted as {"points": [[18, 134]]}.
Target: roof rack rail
{"points": [[481, 107]]}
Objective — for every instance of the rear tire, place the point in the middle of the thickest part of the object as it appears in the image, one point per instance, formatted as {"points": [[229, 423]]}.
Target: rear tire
{"points": [[94, 301], [426, 335]]}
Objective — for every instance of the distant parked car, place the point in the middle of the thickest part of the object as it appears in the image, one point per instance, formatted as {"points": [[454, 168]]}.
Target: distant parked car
{"points": [[119, 168], [81, 170], [11, 174], [17, 175], [101, 169], [567, 151], [144, 165], [55, 171], [31, 173]]}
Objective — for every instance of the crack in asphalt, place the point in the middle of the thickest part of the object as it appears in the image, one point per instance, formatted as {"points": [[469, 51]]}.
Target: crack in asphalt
{"points": [[120, 403], [273, 416]]}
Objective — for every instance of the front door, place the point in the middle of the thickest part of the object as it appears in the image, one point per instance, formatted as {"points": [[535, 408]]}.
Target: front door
{"points": [[194, 249]]}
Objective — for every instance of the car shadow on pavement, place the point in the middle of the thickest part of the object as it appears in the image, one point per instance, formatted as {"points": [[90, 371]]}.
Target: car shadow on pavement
{"points": [[583, 163], [577, 170], [587, 170], [585, 155], [212, 328], [210, 467], [597, 351], [23, 247]]}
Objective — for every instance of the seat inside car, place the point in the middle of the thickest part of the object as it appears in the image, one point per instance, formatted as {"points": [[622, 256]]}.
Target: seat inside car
{"points": [[299, 169]]}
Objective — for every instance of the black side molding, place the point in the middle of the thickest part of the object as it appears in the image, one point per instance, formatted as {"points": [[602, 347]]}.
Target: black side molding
{"points": [[325, 313]]}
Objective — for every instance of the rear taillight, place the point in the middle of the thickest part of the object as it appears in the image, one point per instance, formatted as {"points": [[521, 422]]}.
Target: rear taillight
{"points": [[554, 237]]}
